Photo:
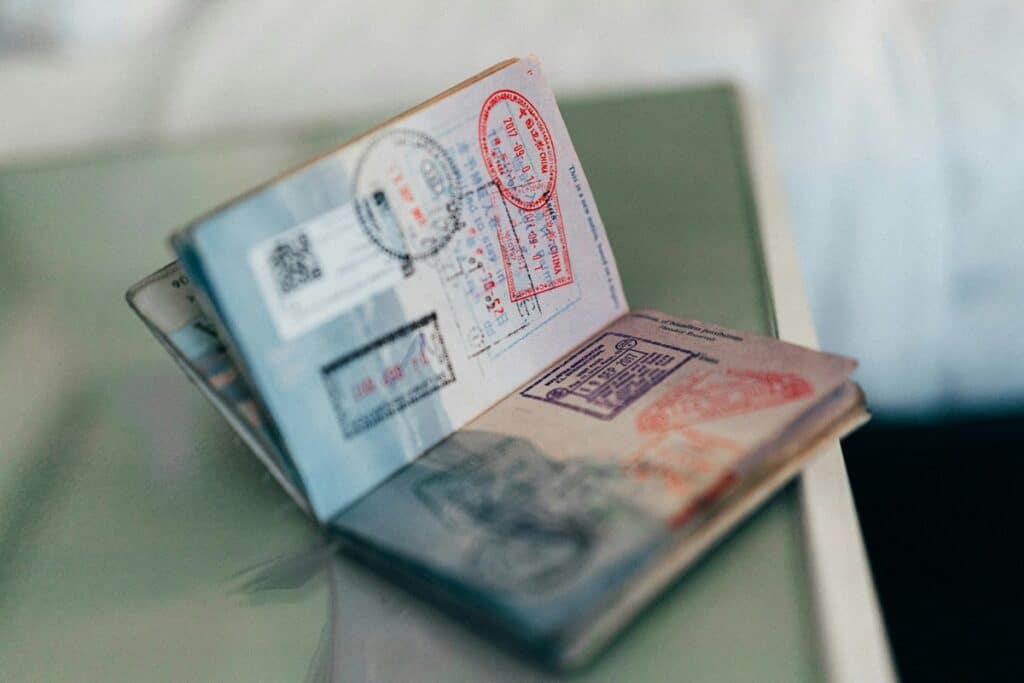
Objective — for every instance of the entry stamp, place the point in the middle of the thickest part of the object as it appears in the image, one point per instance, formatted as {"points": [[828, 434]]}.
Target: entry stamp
{"points": [[534, 251], [409, 194], [517, 149], [386, 376], [519, 156], [607, 375]]}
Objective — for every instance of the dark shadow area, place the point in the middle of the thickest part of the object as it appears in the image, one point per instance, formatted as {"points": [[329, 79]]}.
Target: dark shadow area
{"points": [[941, 510]]}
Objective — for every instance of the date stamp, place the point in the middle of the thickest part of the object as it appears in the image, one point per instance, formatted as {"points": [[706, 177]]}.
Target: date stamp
{"points": [[517, 149], [607, 375], [519, 155], [408, 193], [714, 394], [534, 251], [386, 376]]}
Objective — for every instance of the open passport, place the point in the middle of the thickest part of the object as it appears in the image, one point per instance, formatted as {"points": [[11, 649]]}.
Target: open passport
{"points": [[423, 336]]}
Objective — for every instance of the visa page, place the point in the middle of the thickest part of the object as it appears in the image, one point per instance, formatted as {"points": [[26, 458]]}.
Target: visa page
{"points": [[545, 508], [384, 295]]}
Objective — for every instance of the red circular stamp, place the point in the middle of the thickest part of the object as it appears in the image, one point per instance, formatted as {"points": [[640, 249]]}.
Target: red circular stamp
{"points": [[517, 149]]}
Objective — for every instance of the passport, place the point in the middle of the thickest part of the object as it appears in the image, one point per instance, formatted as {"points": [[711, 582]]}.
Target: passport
{"points": [[423, 336]]}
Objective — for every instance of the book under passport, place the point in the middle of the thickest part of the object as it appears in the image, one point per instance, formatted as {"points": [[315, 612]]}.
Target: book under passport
{"points": [[423, 337]]}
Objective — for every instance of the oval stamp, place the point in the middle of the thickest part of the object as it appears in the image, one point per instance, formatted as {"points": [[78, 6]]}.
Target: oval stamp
{"points": [[517, 149], [408, 194]]}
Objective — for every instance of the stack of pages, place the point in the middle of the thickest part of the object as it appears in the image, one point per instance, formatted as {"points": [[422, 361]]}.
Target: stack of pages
{"points": [[423, 337]]}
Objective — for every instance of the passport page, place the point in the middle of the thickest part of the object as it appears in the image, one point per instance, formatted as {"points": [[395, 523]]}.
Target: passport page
{"points": [[560, 512], [385, 294]]}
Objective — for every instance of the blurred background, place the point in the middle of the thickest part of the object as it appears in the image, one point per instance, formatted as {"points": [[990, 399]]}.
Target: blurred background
{"points": [[897, 128]]}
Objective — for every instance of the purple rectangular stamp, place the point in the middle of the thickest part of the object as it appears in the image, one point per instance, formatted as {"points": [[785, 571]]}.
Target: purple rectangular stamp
{"points": [[605, 376]]}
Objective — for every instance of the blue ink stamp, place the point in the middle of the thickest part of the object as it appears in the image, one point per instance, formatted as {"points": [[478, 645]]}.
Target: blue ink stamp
{"points": [[387, 375], [607, 375]]}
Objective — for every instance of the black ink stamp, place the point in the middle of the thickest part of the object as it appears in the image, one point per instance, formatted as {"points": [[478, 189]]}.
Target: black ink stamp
{"points": [[386, 376], [607, 375], [408, 194]]}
